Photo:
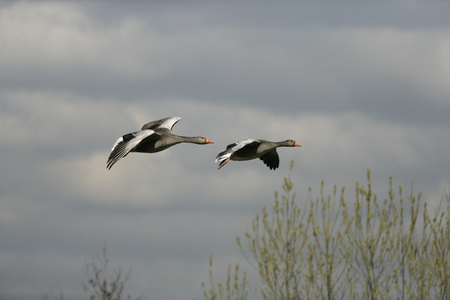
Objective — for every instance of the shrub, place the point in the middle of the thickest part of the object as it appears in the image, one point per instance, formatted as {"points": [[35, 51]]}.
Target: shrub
{"points": [[101, 285], [333, 248]]}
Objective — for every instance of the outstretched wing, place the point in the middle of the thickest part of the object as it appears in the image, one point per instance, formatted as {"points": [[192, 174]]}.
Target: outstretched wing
{"points": [[125, 144], [224, 156], [166, 123], [271, 159]]}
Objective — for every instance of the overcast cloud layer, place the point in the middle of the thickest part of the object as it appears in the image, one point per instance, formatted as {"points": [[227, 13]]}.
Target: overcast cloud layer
{"points": [[357, 85]]}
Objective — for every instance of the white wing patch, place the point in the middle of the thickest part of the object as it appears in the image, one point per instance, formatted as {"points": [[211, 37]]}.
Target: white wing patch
{"points": [[166, 123], [169, 122], [224, 156], [121, 148]]}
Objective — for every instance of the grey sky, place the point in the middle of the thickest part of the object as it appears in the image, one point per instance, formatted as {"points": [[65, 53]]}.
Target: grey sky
{"points": [[358, 85]]}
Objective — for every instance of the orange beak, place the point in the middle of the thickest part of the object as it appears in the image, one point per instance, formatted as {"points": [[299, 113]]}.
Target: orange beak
{"points": [[208, 141], [297, 144]]}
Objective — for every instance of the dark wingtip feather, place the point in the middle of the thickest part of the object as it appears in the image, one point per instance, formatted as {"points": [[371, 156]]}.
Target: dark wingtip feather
{"points": [[117, 153], [271, 159]]}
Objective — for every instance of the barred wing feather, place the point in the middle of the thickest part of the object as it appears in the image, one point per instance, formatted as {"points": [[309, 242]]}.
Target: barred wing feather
{"points": [[125, 144]]}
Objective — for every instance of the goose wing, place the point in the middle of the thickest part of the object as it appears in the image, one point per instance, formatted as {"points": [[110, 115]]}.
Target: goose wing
{"points": [[271, 159], [224, 156], [166, 123], [127, 143]]}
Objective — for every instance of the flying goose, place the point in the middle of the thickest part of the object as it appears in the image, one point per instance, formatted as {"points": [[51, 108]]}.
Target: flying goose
{"points": [[251, 149], [154, 136]]}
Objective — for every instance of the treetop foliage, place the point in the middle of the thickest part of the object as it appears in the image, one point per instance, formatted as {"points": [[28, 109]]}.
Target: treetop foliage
{"points": [[330, 247]]}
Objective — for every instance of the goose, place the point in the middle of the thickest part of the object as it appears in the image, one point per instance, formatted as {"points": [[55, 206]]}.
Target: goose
{"points": [[251, 149], [154, 136]]}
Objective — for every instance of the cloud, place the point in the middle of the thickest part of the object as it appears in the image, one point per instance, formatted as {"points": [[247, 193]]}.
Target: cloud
{"points": [[325, 68], [356, 87]]}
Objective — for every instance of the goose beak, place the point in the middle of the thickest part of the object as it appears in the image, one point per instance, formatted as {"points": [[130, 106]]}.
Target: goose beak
{"points": [[297, 144], [208, 141]]}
